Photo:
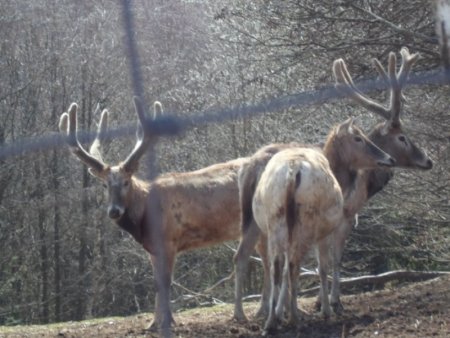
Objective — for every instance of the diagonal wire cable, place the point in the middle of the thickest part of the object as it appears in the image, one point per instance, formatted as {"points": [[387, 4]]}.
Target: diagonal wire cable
{"points": [[174, 124], [153, 218]]}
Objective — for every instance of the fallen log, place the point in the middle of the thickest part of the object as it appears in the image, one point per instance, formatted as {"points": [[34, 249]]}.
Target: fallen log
{"points": [[381, 279]]}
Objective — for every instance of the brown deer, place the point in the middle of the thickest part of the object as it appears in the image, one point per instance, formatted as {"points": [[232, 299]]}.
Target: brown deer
{"points": [[298, 202], [388, 135], [346, 148], [170, 214]]}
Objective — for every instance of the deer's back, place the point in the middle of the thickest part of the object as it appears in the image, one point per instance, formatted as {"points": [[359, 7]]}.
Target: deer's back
{"points": [[201, 208]]}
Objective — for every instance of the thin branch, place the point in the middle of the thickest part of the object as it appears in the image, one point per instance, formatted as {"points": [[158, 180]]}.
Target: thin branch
{"points": [[253, 258], [188, 290], [393, 26], [196, 294], [223, 280]]}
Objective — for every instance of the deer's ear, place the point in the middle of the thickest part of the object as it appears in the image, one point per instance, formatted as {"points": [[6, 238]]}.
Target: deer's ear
{"points": [[346, 127], [98, 174], [350, 126], [386, 128], [94, 172]]}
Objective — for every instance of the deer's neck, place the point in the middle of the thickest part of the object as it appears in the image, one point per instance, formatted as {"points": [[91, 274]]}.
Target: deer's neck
{"points": [[377, 179], [130, 225], [133, 220], [368, 183], [345, 175]]}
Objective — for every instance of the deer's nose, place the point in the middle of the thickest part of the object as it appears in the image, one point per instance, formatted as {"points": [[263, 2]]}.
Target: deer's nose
{"points": [[114, 212], [388, 162]]}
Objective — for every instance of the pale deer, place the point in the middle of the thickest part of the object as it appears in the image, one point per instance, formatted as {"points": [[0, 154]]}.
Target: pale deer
{"points": [[173, 213], [388, 135], [298, 201], [346, 148]]}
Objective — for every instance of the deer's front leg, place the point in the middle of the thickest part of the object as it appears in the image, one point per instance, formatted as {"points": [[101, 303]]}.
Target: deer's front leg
{"points": [[246, 246], [162, 269]]}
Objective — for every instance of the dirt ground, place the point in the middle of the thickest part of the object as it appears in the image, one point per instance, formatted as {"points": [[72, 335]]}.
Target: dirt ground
{"points": [[414, 310]]}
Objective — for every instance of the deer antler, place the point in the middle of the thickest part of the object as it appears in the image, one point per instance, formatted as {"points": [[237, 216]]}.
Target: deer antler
{"points": [[395, 80], [93, 158], [96, 147], [345, 83], [68, 124], [144, 135]]}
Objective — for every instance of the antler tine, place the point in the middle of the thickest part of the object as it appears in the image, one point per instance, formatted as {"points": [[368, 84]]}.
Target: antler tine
{"points": [[96, 147], [408, 60], [157, 109], [345, 83], [392, 66], [381, 71], [398, 80], [395, 104], [343, 79], [157, 112], [63, 123], [68, 124], [144, 137]]}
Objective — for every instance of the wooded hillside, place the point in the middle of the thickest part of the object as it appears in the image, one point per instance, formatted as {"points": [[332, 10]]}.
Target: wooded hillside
{"points": [[62, 258]]}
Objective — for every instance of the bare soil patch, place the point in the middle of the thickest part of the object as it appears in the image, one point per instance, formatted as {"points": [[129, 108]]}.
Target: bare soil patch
{"points": [[413, 310]]}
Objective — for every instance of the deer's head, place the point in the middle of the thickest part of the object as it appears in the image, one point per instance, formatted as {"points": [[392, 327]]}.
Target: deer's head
{"points": [[388, 135], [347, 144], [119, 179]]}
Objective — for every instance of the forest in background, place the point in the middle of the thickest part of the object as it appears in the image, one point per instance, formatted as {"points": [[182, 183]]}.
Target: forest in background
{"points": [[61, 258]]}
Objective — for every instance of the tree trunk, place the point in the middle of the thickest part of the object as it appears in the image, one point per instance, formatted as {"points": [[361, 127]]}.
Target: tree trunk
{"points": [[43, 249]]}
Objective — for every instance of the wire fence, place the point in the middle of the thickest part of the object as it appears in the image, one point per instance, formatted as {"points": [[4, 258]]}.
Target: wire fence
{"points": [[173, 124]]}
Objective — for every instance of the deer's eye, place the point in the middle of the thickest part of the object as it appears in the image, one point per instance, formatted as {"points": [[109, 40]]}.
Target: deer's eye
{"points": [[358, 139], [126, 183], [402, 138]]}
